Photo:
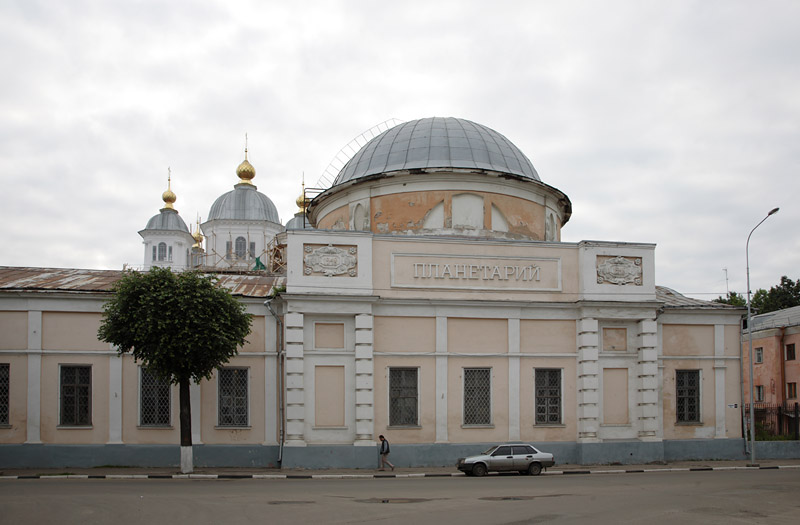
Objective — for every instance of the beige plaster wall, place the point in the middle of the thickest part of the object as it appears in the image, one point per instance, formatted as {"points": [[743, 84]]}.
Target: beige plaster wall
{"points": [[338, 219], [615, 339], [50, 395], [328, 396], [688, 340], [404, 334], [328, 335], [498, 431], [131, 431], [254, 433], [732, 340], [704, 429], [256, 340], [615, 396], [426, 431], [14, 330], [71, 331], [17, 429], [477, 336], [529, 431], [547, 336]]}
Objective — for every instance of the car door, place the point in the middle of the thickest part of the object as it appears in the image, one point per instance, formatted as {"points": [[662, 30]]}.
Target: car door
{"points": [[502, 459], [523, 456]]}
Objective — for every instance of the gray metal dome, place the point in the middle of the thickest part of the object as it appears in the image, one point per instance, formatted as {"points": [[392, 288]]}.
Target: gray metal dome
{"points": [[244, 202], [167, 220], [298, 222], [438, 142]]}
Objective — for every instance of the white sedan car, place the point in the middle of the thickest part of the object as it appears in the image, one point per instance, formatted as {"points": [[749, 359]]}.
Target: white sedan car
{"points": [[520, 457]]}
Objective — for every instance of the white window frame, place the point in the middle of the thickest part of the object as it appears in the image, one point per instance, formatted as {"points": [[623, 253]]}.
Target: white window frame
{"points": [[389, 397], [464, 424], [561, 398], [247, 398], [759, 355], [139, 420]]}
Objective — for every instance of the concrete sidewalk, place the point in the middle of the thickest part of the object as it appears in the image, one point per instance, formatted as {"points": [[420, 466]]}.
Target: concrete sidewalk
{"points": [[399, 472]]}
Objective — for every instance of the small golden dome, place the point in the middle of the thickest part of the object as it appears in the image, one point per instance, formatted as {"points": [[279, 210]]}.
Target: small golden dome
{"points": [[198, 237], [302, 203], [245, 170], [168, 196]]}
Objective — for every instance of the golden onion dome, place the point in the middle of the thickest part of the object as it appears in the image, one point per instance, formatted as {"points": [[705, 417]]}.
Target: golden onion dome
{"points": [[302, 203], [245, 170], [168, 196]]}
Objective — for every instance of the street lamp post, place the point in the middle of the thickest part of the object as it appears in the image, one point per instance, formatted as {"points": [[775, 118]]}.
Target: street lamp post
{"points": [[750, 336]]}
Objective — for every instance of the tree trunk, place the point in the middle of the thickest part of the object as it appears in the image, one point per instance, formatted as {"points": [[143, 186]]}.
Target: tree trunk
{"points": [[187, 461]]}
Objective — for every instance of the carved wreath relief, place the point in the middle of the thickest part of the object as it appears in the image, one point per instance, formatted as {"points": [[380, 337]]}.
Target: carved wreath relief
{"points": [[330, 261], [620, 271]]}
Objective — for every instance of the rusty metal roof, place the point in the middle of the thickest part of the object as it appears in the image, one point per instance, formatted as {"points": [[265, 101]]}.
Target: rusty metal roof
{"points": [[27, 279], [673, 299]]}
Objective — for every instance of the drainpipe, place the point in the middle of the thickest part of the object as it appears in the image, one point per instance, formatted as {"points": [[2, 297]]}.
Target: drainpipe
{"points": [[783, 365], [741, 389], [281, 371]]}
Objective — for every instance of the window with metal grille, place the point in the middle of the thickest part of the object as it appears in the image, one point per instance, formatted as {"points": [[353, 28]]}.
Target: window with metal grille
{"points": [[154, 400], [687, 386], [76, 395], [4, 388], [403, 397], [790, 352], [232, 386], [759, 353], [477, 396], [548, 396], [240, 247]]}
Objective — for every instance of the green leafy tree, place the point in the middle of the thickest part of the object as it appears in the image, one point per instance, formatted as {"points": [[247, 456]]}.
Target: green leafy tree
{"points": [[784, 295], [732, 298], [180, 326]]}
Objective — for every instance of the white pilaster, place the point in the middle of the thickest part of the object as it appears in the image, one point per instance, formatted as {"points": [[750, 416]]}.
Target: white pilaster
{"points": [[513, 380], [295, 388], [441, 379], [34, 377], [719, 381], [196, 403], [365, 392], [588, 381], [647, 369], [115, 399]]}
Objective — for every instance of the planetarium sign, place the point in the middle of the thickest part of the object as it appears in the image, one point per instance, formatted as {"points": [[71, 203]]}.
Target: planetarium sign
{"points": [[476, 272]]}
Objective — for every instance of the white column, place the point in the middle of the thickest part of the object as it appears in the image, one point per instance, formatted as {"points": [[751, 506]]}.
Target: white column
{"points": [[647, 368], [34, 378], [719, 381], [365, 392], [196, 404], [115, 399], [513, 380], [441, 379], [588, 382], [295, 390]]}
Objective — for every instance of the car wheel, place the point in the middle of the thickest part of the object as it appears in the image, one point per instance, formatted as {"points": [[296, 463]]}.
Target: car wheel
{"points": [[534, 469], [479, 470]]}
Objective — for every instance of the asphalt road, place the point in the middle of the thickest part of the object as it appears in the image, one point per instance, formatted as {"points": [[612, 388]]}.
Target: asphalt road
{"points": [[762, 496]]}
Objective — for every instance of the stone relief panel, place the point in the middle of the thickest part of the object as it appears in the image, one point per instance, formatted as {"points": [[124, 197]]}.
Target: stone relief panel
{"points": [[330, 260], [619, 270]]}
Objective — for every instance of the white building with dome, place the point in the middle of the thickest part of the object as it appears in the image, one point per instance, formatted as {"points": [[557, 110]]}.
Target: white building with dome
{"points": [[427, 295]]}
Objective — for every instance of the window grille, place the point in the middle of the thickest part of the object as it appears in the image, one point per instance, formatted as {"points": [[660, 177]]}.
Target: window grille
{"points": [[759, 355], [477, 396], [240, 247], [154, 404], [233, 410], [790, 355], [76, 395], [403, 396], [687, 385], [548, 396], [4, 388]]}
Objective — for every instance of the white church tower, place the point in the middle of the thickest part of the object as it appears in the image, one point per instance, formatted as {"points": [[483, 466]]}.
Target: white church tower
{"points": [[166, 238]]}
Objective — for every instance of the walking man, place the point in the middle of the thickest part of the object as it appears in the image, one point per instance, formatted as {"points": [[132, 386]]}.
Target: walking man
{"points": [[384, 453]]}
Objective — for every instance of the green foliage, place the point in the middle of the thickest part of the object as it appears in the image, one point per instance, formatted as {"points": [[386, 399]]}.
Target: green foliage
{"points": [[784, 295], [732, 298], [181, 326]]}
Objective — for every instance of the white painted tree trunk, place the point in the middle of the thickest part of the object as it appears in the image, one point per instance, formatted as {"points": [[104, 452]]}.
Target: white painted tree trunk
{"points": [[187, 460]]}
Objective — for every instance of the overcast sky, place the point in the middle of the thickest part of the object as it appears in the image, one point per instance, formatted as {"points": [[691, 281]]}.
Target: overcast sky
{"points": [[675, 123]]}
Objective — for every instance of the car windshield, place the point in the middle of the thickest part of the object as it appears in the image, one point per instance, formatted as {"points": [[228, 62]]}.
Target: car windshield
{"points": [[490, 450]]}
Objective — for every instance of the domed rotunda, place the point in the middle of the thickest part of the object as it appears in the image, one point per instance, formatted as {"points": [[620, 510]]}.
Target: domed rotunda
{"points": [[442, 176]]}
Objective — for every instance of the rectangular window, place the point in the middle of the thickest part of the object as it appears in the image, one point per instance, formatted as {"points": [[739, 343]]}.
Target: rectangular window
{"points": [[403, 396], [759, 393], [759, 355], [228, 250], [791, 390], [252, 250], [76, 395], [790, 352], [547, 385], [477, 396], [154, 400], [687, 386], [154, 252], [233, 397], [170, 253], [4, 389]]}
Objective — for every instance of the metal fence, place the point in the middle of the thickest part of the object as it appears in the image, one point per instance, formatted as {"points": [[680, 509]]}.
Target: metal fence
{"points": [[776, 420]]}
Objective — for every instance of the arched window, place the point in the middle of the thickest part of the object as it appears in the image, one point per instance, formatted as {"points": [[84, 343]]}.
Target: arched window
{"points": [[241, 247], [162, 251]]}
